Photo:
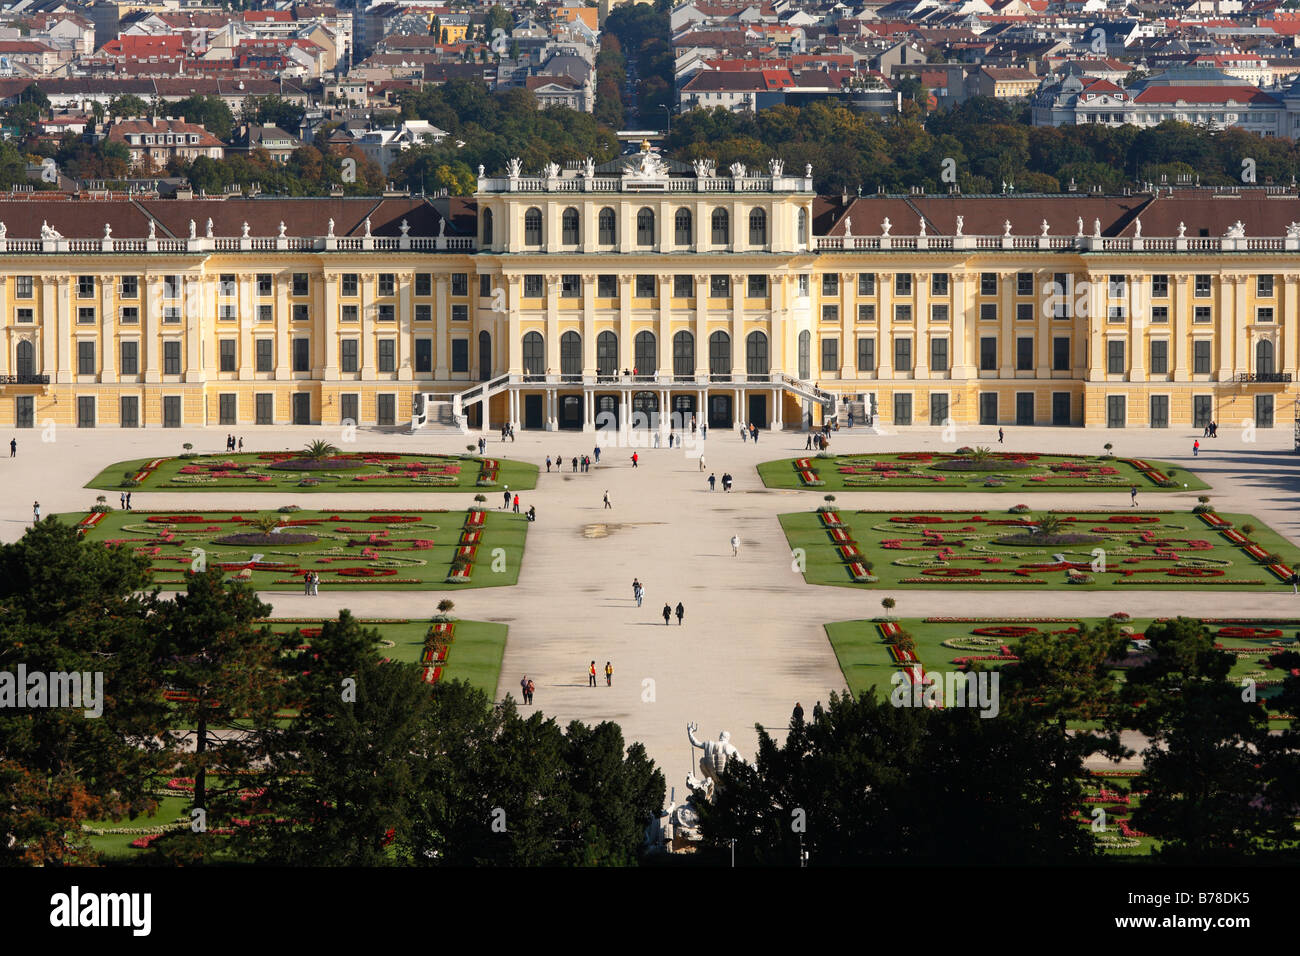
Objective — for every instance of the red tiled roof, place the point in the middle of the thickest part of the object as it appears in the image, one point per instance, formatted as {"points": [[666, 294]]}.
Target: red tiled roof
{"points": [[1206, 95]]}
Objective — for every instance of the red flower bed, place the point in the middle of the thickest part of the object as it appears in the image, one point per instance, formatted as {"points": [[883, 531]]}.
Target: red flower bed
{"points": [[365, 572], [178, 519], [1005, 631], [952, 572], [1250, 633], [1195, 572]]}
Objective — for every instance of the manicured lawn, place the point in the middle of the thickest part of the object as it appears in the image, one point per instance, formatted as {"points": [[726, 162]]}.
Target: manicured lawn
{"points": [[1002, 472], [349, 549], [961, 549], [116, 847], [350, 471]]}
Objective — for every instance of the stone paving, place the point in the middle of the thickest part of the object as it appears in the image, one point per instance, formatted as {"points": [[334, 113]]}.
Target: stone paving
{"points": [[752, 643]]}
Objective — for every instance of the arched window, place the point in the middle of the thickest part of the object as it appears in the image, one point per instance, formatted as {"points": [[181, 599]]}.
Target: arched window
{"points": [[533, 227], [607, 354], [721, 227], [606, 227], [805, 354], [570, 353], [756, 361], [487, 227], [645, 227], [682, 227], [569, 227], [802, 236], [684, 354], [1264, 357], [534, 354], [647, 356], [758, 228], [484, 355], [720, 353], [26, 356]]}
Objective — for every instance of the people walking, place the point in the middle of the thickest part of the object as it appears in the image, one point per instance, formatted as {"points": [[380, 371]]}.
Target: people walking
{"points": [[1000, 436], [506, 499], [241, 446], [636, 591], [548, 464], [36, 511], [1196, 449], [596, 451], [634, 459], [701, 463], [516, 504], [670, 441], [128, 501], [306, 583], [704, 432], [609, 674], [681, 612], [122, 501], [531, 513], [1133, 496], [524, 685], [753, 433], [807, 446], [744, 433], [607, 504], [531, 687], [735, 545], [1295, 582], [817, 711], [713, 479], [668, 613], [575, 462], [315, 584], [591, 675], [797, 717], [13, 448]]}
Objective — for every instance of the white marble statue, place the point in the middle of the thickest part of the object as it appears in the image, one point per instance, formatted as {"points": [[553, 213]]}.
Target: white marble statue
{"points": [[1137, 228], [1292, 231], [282, 228], [194, 229], [738, 170], [1046, 228], [848, 227], [1006, 228], [961, 221], [1096, 229], [921, 228], [153, 229], [589, 168], [108, 230], [1236, 231], [776, 167], [513, 167], [442, 227], [367, 227], [714, 760], [244, 233], [330, 233], [481, 170], [807, 170], [48, 232], [405, 228], [1080, 224], [704, 168], [551, 171], [4, 230], [885, 226], [207, 231], [1182, 230]]}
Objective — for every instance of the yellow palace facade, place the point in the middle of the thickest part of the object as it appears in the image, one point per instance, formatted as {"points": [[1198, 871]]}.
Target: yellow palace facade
{"points": [[618, 294]]}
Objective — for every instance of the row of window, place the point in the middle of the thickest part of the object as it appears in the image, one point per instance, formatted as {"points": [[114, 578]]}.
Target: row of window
{"points": [[227, 409], [645, 353], [130, 314], [1116, 409], [988, 312], [607, 227], [128, 287]]}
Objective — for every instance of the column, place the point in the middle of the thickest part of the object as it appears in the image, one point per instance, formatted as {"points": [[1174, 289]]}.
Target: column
{"points": [[443, 345], [331, 326], [1287, 357], [6, 338], [589, 289], [626, 288], [961, 346], [551, 331], [404, 280], [63, 343], [551, 409], [108, 347], [1225, 332], [514, 349], [246, 310], [885, 345], [283, 317], [367, 351], [921, 320], [1181, 336], [848, 354], [1007, 314], [780, 324], [194, 299], [701, 329], [1045, 334], [1241, 318], [1096, 347], [1137, 325], [150, 327], [738, 347], [664, 334]]}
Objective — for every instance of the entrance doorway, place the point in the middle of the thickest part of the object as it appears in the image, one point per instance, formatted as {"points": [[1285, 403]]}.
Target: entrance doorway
{"points": [[758, 410], [1061, 409], [683, 411], [606, 412], [533, 417], [570, 412], [720, 411]]}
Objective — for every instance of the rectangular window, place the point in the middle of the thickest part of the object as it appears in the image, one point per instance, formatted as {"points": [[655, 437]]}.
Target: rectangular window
{"points": [[1202, 410], [683, 287], [348, 313], [1201, 315], [265, 313], [300, 313], [830, 355], [988, 283], [129, 355], [719, 286], [1117, 286], [1160, 287], [803, 284], [830, 283], [387, 355], [24, 411], [348, 361], [866, 354], [386, 410], [348, 408], [1060, 293], [1159, 411], [757, 287], [902, 355], [1115, 357], [1159, 357], [85, 287], [903, 283], [129, 411], [227, 354], [85, 411], [938, 355], [171, 314], [988, 312], [128, 287], [1024, 283], [484, 286], [424, 313], [226, 404], [23, 286], [938, 408], [1060, 354], [302, 355], [1160, 315], [226, 313], [571, 286], [300, 283], [424, 355], [387, 284], [902, 313], [866, 283], [264, 408], [171, 287], [939, 283], [939, 313], [607, 286], [645, 287], [988, 354], [830, 313], [265, 351], [1264, 286], [988, 408], [85, 358], [1264, 313], [1024, 354], [266, 284], [424, 284], [86, 315], [226, 284], [459, 284], [171, 358], [1201, 357], [1202, 287], [1115, 313], [867, 312], [349, 284], [23, 316], [1024, 312], [386, 313], [902, 408], [460, 355]]}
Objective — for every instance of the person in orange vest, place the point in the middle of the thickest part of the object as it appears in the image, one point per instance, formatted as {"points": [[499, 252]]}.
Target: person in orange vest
{"points": [[591, 675], [609, 674]]}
